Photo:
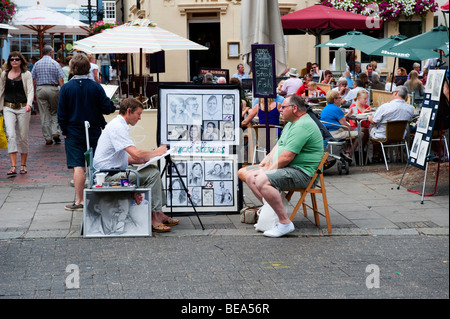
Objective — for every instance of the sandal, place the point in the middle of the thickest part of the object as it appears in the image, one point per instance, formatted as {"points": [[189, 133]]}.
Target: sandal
{"points": [[171, 222], [12, 171], [23, 169], [160, 228]]}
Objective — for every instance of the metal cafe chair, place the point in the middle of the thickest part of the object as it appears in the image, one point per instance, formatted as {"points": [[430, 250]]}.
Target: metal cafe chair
{"points": [[395, 137]]}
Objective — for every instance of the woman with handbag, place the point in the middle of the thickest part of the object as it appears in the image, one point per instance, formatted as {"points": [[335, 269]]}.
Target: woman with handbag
{"points": [[16, 98]]}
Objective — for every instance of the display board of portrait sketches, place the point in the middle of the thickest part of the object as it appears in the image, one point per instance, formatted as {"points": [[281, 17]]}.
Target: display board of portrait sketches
{"points": [[117, 212], [199, 120], [211, 182], [201, 124], [425, 122]]}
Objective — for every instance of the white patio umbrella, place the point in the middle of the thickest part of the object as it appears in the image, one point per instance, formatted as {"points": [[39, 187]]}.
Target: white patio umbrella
{"points": [[40, 19], [261, 24], [7, 26], [134, 37], [138, 36]]}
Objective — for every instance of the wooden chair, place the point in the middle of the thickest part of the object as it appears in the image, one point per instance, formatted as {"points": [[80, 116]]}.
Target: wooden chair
{"points": [[318, 189], [325, 87], [395, 136], [380, 97]]}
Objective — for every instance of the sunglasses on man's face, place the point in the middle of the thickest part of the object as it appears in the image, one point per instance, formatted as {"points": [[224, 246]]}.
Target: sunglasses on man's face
{"points": [[15, 59]]}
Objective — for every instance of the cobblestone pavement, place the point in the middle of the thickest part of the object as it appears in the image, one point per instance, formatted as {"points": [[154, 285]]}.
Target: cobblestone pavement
{"points": [[226, 267]]}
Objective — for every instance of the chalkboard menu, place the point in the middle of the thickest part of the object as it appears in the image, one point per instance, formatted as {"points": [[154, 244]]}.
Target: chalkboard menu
{"points": [[263, 66]]}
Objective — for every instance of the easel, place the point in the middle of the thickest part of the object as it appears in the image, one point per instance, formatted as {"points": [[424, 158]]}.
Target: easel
{"points": [[426, 171], [432, 105], [168, 170]]}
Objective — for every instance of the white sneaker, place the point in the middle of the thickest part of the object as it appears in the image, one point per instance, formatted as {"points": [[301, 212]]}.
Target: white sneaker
{"points": [[280, 230]]}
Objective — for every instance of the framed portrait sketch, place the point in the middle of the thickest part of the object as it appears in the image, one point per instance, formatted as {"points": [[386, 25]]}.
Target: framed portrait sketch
{"points": [[197, 113], [210, 182], [113, 212], [434, 83]]}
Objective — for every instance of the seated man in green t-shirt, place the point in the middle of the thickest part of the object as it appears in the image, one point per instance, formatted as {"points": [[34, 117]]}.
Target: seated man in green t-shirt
{"points": [[291, 163]]}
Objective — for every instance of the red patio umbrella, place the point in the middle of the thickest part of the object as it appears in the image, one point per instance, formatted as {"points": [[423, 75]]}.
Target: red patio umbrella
{"points": [[319, 19], [444, 7]]}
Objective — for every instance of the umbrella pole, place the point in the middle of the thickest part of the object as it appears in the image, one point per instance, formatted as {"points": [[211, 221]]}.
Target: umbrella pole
{"points": [[353, 65], [266, 116], [132, 72], [140, 74], [41, 42], [393, 71], [318, 49], [117, 57]]}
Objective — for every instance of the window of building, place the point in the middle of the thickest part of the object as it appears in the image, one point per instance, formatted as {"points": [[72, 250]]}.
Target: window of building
{"points": [[28, 44], [109, 11]]}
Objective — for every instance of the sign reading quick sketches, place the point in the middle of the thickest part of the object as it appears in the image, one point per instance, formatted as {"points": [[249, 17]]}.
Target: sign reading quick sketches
{"points": [[199, 148]]}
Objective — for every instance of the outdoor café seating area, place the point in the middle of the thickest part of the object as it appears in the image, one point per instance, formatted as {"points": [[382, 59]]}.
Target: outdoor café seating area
{"points": [[317, 104], [254, 132]]}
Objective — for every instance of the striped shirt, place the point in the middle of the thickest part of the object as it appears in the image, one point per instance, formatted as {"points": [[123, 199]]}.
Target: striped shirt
{"points": [[47, 71]]}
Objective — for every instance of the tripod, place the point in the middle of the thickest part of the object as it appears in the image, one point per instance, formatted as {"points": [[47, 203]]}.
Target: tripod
{"points": [[168, 170]]}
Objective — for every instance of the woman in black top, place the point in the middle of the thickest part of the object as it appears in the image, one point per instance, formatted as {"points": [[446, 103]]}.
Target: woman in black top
{"points": [[16, 98]]}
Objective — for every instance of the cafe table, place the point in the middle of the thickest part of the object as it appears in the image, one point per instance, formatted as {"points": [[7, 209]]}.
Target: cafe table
{"points": [[358, 118], [316, 103]]}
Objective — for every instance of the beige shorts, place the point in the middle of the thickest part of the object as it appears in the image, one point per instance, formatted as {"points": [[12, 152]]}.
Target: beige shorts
{"points": [[342, 133]]}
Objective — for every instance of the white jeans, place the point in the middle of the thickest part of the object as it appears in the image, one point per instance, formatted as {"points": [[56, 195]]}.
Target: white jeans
{"points": [[17, 140]]}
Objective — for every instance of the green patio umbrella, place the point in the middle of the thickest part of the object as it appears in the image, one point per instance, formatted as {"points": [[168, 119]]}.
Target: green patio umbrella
{"points": [[381, 47], [386, 47], [353, 39], [424, 45]]}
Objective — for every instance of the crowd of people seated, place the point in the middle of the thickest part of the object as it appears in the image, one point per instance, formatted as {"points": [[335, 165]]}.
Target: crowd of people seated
{"points": [[348, 91]]}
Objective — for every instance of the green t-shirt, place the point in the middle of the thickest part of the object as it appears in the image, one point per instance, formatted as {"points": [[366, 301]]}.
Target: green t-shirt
{"points": [[303, 138]]}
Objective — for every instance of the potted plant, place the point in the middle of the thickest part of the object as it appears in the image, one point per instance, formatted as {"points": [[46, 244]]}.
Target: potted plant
{"points": [[388, 10], [99, 26]]}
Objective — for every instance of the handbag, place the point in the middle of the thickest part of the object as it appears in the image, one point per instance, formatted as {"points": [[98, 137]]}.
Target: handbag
{"points": [[249, 215], [3, 140], [267, 218]]}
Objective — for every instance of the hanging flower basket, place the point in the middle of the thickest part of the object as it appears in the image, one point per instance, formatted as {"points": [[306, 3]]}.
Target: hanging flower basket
{"points": [[388, 10], [7, 10], [99, 26]]}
